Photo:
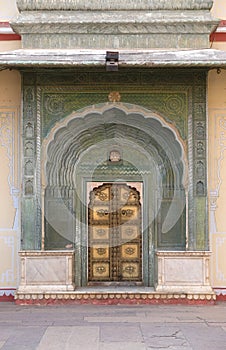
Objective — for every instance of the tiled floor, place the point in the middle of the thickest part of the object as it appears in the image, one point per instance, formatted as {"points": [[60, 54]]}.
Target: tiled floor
{"points": [[125, 327]]}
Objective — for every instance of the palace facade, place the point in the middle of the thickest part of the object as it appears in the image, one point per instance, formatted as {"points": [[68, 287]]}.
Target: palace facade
{"points": [[113, 139]]}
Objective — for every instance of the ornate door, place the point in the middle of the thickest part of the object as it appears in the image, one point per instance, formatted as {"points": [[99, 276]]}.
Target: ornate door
{"points": [[115, 239]]}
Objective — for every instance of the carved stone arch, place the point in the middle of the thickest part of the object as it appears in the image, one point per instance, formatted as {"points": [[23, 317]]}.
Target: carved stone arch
{"points": [[75, 131], [77, 147]]}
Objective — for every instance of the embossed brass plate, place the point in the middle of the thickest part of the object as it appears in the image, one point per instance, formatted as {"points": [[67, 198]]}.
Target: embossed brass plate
{"points": [[115, 239]]}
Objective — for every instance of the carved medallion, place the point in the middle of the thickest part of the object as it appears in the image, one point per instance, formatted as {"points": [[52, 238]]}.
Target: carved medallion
{"points": [[114, 96]]}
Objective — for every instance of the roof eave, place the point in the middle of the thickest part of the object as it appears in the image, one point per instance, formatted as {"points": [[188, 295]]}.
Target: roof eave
{"points": [[207, 58]]}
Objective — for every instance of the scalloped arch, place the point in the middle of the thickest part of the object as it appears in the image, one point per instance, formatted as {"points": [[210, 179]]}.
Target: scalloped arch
{"points": [[82, 130]]}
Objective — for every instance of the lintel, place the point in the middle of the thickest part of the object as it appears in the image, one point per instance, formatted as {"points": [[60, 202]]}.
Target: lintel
{"points": [[63, 58]]}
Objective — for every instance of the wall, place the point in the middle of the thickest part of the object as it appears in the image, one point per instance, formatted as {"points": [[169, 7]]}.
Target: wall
{"points": [[10, 97], [8, 11], [217, 174], [219, 9], [9, 180], [217, 156], [10, 174]]}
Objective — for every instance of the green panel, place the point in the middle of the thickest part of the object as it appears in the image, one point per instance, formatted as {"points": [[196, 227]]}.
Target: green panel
{"points": [[172, 105], [200, 223], [174, 236], [59, 223], [28, 223], [54, 240]]}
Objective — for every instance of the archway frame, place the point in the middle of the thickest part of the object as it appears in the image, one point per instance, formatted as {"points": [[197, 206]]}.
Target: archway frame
{"points": [[98, 111], [126, 109]]}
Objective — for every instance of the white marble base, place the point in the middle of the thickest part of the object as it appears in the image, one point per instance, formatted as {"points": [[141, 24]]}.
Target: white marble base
{"points": [[183, 272], [46, 271]]}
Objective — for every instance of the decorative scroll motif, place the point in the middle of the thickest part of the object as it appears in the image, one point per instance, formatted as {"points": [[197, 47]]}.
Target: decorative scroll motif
{"points": [[174, 104], [54, 105], [109, 247]]}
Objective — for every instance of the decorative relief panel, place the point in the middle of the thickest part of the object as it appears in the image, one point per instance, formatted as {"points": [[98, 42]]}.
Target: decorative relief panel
{"points": [[31, 223], [29, 137], [63, 93], [172, 105], [200, 134], [200, 158]]}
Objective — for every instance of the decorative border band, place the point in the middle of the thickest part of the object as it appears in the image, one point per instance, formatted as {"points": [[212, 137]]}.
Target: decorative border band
{"points": [[113, 298], [7, 295]]}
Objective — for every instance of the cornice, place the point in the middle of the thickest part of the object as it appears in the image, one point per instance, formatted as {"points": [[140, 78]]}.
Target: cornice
{"points": [[114, 22], [105, 5]]}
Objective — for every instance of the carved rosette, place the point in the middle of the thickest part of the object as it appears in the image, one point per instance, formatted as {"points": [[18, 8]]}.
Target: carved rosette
{"points": [[114, 96]]}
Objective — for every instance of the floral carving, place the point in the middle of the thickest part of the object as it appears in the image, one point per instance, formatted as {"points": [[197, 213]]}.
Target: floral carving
{"points": [[114, 96]]}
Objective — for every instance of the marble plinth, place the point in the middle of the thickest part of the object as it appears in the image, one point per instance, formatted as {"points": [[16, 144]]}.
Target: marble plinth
{"points": [[46, 271], [183, 272]]}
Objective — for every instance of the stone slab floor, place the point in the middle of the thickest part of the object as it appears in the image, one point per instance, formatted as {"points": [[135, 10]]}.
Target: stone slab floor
{"points": [[95, 327]]}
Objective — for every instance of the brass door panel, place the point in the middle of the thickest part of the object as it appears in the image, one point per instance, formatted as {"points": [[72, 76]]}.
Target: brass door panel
{"points": [[115, 239]]}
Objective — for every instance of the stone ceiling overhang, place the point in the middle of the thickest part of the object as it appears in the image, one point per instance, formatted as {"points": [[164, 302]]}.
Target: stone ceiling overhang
{"points": [[22, 58]]}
